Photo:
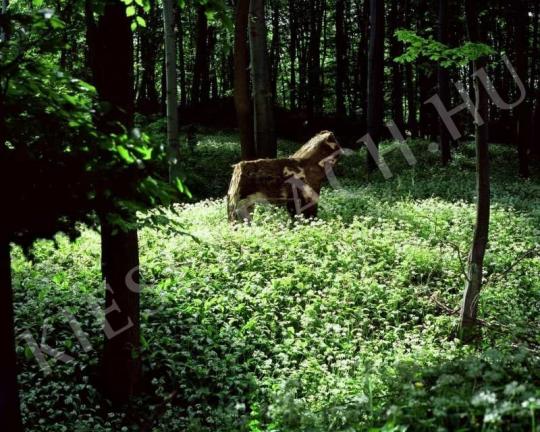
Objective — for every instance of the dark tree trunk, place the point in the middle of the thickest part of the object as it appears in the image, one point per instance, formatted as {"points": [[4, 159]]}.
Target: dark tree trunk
{"points": [[265, 139], [469, 307], [200, 67], [113, 62], [293, 44], [521, 12], [121, 362], [10, 415], [275, 47], [148, 98], [443, 77], [362, 62], [341, 59], [242, 99], [397, 73], [375, 88], [181, 60], [314, 96], [427, 79]]}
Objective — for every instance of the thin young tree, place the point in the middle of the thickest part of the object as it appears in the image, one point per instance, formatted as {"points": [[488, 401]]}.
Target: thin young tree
{"points": [[443, 78], [242, 99], [469, 306], [263, 100], [375, 92], [341, 59], [522, 124], [173, 144]]}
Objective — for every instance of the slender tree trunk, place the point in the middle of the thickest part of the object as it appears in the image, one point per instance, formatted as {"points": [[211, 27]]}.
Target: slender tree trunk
{"points": [[292, 54], [10, 414], [375, 86], [341, 59], [469, 307], [521, 12], [314, 96], [265, 139], [397, 75], [113, 74], [242, 99], [275, 47], [173, 143], [362, 62], [148, 98], [182, 61], [201, 54], [443, 77]]}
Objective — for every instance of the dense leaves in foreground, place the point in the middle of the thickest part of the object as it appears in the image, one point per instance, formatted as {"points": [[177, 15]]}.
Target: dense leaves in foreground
{"points": [[342, 323]]}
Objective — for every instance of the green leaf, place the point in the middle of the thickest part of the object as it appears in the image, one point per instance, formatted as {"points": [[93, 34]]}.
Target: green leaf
{"points": [[140, 21], [124, 154], [130, 11]]}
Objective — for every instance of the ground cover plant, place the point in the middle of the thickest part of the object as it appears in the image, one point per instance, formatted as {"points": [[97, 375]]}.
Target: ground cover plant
{"points": [[343, 323]]}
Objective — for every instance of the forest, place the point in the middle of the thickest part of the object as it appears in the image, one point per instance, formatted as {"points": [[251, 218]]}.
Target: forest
{"points": [[269, 216]]}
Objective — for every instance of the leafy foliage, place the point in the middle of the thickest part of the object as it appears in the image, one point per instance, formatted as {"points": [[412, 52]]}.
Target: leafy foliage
{"points": [[418, 46]]}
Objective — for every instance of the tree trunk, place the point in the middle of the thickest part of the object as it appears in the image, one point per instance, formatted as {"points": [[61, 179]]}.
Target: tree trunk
{"points": [[292, 54], [148, 98], [443, 78], [314, 96], [113, 74], [121, 367], [521, 12], [341, 59], [173, 144], [397, 75], [10, 414], [469, 307], [265, 139], [362, 62], [201, 54], [242, 99], [375, 86], [181, 61], [275, 47]]}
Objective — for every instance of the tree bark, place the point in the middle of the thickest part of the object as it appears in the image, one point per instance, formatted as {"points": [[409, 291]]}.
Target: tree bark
{"points": [[469, 308], [362, 62], [375, 86], [121, 362], [275, 47], [242, 99], [443, 78], [113, 72], [521, 12], [10, 414], [341, 59], [181, 61], [293, 44], [265, 139], [397, 73], [201, 58], [173, 144], [314, 96], [148, 98]]}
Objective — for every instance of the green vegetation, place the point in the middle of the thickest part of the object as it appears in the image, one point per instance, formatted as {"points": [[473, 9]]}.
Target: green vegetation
{"points": [[343, 323]]}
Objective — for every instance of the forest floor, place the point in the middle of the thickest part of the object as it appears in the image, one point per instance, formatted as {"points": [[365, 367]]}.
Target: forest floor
{"points": [[343, 323]]}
